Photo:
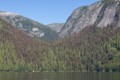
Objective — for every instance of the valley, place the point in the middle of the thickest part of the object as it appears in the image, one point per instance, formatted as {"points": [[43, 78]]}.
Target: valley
{"points": [[89, 41]]}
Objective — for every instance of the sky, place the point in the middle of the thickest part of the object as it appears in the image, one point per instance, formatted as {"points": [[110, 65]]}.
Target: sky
{"points": [[44, 11]]}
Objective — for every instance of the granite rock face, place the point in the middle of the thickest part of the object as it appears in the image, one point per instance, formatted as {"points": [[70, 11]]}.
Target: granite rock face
{"points": [[99, 14], [31, 27]]}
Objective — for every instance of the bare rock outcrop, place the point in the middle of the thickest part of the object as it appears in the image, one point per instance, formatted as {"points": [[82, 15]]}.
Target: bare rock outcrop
{"points": [[100, 14]]}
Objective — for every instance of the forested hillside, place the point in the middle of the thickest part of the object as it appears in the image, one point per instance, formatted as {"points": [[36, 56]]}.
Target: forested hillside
{"points": [[18, 51], [92, 49], [88, 41]]}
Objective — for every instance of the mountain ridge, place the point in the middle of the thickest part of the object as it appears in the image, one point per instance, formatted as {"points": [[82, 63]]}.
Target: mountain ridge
{"points": [[100, 14], [56, 26], [27, 25], [83, 47]]}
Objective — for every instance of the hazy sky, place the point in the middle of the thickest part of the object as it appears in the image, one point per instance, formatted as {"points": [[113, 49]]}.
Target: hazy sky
{"points": [[44, 11]]}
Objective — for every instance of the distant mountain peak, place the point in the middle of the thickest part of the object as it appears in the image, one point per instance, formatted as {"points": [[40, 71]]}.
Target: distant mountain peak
{"points": [[56, 26], [29, 26], [3, 13]]}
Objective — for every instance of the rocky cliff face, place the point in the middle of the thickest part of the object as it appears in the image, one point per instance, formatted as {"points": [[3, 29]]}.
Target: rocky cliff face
{"points": [[31, 27], [100, 14], [56, 26]]}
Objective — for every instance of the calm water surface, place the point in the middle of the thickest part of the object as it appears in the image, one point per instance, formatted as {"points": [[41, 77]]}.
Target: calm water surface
{"points": [[60, 76]]}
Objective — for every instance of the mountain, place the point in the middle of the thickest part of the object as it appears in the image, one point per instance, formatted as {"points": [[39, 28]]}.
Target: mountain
{"points": [[91, 49], [100, 14], [31, 27], [94, 47], [17, 49], [56, 26]]}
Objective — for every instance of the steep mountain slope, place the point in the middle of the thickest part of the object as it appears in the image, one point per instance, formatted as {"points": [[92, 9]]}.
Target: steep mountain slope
{"points": [[29, 26], [18, 51], [56, 26], [100, 14], [92, 49]]}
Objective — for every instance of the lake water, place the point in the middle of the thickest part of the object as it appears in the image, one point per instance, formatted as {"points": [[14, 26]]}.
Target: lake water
{"points": [[60, 76]]}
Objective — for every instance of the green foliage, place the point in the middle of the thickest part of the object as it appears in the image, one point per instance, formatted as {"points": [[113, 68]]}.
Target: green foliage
{"points": [[114, 54], [8, 57], [1, 24], [92, 49]]}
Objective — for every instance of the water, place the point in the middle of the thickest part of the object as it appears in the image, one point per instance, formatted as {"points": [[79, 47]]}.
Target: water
{"points": [[60, 76]]}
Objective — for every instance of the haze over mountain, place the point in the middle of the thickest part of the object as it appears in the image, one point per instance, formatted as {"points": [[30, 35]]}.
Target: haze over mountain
{"points": [[56, 26]]}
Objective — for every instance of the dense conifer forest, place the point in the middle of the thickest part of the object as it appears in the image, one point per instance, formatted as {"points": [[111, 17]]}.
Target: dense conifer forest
{"points": [[92, 49]]}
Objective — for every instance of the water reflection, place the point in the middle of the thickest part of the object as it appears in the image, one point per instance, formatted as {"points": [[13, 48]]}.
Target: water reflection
{"points": [[60, 76]]}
